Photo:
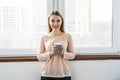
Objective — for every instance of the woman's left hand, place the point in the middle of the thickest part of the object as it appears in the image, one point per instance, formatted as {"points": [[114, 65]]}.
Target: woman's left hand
{"points": [[62, 51]]}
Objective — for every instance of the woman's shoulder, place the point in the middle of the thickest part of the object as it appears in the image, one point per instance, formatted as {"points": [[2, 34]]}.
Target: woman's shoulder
{"points": [[43, 35], [68, 34]]}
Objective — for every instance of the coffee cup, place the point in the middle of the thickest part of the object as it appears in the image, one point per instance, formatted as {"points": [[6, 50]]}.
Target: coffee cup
{"points": [[59, 47]]}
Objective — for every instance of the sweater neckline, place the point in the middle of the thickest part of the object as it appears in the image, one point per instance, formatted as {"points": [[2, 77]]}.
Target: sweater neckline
{"points": [[58, 35]]}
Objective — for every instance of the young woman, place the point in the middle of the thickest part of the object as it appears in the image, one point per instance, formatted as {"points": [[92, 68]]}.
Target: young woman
{"points": [[56, 48]]}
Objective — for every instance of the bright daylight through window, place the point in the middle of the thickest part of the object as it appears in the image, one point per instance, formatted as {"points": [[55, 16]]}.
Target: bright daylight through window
{"points": [[90, 22], [21, 23]]}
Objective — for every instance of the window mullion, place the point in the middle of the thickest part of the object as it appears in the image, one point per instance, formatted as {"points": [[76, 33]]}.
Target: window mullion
{"points": [[50, 6], [61, 6], [116, 24]]}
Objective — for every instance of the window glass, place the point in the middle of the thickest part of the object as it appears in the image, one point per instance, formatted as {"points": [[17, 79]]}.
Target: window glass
{"points": [[90, 22], [21, 23]]}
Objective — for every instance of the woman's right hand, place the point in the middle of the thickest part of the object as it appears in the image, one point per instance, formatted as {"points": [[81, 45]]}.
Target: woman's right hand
{"points": [[53, 51]]}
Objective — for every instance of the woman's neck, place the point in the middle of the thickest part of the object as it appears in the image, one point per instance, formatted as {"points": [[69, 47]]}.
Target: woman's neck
{"points": [[56, 33]]}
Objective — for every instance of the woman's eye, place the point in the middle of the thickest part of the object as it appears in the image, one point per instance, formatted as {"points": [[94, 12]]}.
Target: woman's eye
{"points": [[52, 20], [58, 20]]}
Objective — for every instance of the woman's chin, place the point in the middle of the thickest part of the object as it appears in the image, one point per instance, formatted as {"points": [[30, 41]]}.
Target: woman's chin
{"points": [[56, 28]]}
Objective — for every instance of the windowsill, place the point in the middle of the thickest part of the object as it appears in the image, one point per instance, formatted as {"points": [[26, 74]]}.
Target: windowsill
{"points": [[78, 57]]}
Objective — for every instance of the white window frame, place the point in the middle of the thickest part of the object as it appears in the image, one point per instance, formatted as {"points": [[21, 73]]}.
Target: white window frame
{"points": [[59, 5], [115, 49]]}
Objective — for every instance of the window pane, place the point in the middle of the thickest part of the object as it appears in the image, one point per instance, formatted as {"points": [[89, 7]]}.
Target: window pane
{"points": [[21, 23], [90, 22]]}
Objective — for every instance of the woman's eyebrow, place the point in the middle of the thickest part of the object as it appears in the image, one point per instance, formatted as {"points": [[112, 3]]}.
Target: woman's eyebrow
{"points": [[58, 19], [52, 19]]}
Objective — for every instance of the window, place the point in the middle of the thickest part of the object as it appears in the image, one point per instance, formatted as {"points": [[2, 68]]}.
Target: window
{"points": [[92, 25], [21, 24], [89, 22]]}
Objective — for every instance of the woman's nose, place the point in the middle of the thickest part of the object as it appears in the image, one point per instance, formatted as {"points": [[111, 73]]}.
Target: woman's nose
{"points": [[55, 23]]}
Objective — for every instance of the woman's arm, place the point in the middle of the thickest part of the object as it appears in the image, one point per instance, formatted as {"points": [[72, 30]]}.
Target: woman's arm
{"points": [[69, 54], [42, 55]]}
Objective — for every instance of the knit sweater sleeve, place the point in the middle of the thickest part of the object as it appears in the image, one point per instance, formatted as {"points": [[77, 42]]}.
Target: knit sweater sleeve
{"points": [[42, 54], [69, 54]]}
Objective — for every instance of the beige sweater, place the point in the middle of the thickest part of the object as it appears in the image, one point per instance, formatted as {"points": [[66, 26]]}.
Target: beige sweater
{"points": [[56, 66]]}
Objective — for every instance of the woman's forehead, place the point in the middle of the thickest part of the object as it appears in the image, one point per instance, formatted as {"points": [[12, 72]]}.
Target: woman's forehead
{"points": [[55, 17]]}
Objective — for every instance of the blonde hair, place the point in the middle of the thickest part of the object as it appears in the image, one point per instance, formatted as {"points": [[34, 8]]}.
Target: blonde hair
{"points": [[57, 14]]}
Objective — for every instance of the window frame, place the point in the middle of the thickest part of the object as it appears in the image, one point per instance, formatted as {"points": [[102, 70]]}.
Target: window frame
{"points": [[59, 5], [115, 49]]}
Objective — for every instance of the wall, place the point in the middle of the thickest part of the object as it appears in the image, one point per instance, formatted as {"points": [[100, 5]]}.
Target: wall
{"points": [[81, 70]]}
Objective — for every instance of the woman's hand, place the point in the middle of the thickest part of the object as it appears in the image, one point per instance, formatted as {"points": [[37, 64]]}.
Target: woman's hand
{"points": [[56, 50], [62, 52], [59, 50], [53, 51]]}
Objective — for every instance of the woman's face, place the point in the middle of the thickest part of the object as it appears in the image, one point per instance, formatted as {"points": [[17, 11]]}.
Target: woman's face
{"points": [[55, 22]]}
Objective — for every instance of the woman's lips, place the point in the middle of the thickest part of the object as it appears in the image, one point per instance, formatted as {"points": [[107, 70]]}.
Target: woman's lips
{"points": [[55, 27]]}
